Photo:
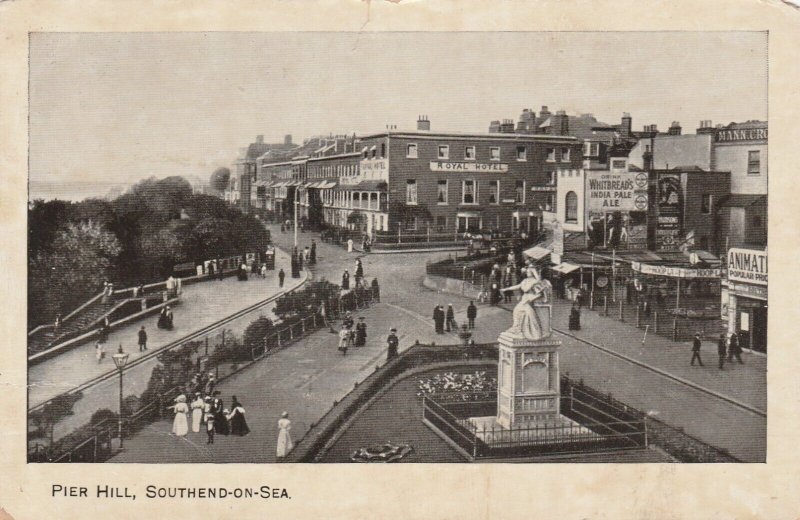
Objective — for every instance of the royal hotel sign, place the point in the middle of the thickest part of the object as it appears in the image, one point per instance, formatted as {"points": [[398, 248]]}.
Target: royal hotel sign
{"points": [[468, 167]]}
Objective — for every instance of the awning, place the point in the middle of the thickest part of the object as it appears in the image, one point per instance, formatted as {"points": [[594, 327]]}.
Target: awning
{"points": [[326, 185], [565, 268], [536, 252]]}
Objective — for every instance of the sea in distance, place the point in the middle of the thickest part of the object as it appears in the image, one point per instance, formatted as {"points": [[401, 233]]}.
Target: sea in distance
{"points": [[75, 191]]}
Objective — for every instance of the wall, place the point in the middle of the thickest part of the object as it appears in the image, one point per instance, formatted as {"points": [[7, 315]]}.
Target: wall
{"points": [[733, 157], [571, 181], [670, 151], [534, 171], [696, 184]]}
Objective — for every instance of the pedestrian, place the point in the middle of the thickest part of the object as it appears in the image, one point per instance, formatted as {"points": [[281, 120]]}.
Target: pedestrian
{"points": [[312, 256], [579, 296], [58, 321], [197, 411], [281, 276], [208, 390], [376, 290], [722, 350], [495, 296], [180, 425], [236, 419], [575, 317], [646, 307], [346, 280], [307, 255], [361, 332], [208, 410], [349, 245], [220, 270], [285, 444], [99, 352], [344, 340], [142, 339], [393, 343], [359, 272], [696, 344], [283, 228], [734, 349], [348, 320], [472, 313], [299, 264], [220, 417], [451, 318], [438, 319], [263, 270]]}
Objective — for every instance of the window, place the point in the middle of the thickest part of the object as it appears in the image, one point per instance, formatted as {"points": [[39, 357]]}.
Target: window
{"points": [[522, 153], [441, 223], [565, 155], [374, 151], [494, 153], [549, 204], [705, 204], [646, 148], [754, 162], [444, 151], [551, 178], [411, 192], [571, 205], [494, 192], [618, 164], [469, 192], [756, 221], [519, 192], [551, 155], [411, 151], [383, 150], [469, 153], [441, 192]]}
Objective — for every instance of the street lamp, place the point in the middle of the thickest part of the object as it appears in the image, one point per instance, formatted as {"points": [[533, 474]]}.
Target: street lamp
{"points": [[296, 203], [120, 359]]}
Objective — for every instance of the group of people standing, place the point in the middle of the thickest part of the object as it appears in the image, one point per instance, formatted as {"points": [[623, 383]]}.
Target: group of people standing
{"points": [[209, 414], [727, 347], [352, 334], [307, 256], [359, 277], [445, 321]]}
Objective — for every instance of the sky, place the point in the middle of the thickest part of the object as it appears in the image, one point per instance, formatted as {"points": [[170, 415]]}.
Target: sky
{"points": [[119, 107]]}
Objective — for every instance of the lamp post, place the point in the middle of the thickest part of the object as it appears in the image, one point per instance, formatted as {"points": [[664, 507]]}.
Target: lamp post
{"points": [[296, 203], [120, 360]]}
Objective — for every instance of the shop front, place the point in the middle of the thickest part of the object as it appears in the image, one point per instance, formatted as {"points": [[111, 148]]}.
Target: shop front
{"points": [[744, 298], [690, 290]]}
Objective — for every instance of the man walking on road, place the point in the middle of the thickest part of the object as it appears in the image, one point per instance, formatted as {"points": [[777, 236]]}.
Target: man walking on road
{"points": [[438, 319], [472, 313], [313, 254], [696, 344], [142, 339], [721, 351], [734, 349], [451, 318], [393, 343], [281, 276]]}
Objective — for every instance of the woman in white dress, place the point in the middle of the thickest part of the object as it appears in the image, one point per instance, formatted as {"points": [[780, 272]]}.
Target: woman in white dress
{"points": [[180, 426], [197, 412], [284, 438]]}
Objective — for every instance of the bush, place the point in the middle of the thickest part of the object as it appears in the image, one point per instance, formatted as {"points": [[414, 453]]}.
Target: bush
{"points": [[256, 332]]}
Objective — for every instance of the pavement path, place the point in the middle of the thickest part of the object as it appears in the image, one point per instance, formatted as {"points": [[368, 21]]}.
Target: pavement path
{"points": [[307, 377], [201, 305]]}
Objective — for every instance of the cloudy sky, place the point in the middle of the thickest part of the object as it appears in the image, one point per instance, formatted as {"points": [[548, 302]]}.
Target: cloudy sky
{"points": [[118, 107]]}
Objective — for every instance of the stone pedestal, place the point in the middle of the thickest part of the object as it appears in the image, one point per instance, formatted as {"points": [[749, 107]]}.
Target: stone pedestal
{"points": [[528, 383]]}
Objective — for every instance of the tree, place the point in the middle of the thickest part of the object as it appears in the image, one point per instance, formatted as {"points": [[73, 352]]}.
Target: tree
{"points": [[212, 238], [79, 262], [219, 179]]}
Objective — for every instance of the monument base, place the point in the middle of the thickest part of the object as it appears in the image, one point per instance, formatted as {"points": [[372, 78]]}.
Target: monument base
{"points": [[552, 429]]}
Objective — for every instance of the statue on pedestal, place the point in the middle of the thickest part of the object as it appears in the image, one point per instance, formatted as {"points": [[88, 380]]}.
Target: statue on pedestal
{"points": [[532, 313]]}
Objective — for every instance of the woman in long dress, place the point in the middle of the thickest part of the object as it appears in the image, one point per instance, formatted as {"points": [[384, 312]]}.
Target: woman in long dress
{"points": [[180, 426], [236, 419], [197, 412], [285, 444]]}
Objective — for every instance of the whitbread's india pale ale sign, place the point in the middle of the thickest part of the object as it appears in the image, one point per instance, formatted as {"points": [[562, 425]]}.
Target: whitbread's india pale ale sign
{"points": [[747, 265]]}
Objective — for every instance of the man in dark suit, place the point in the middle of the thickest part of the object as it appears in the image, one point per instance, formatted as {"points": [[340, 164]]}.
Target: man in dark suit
{"points": [[721, 350], [393, 344], [696, 344], [472, 313]]}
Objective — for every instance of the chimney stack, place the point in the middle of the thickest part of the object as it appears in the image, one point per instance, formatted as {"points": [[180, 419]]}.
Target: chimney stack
{"points": [[423, 124], [560, 124], [260, 139], [287, 139], [706, 127], [675, 128], [627, 124], [507, 126]]}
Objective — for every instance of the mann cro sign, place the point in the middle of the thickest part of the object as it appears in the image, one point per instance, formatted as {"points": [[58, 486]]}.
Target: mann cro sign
{"points": [[748, 266], [620, 191]]}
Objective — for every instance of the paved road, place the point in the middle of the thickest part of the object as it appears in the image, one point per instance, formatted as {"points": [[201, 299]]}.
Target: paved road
{"points": [[201, 305], [306, 377]]}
